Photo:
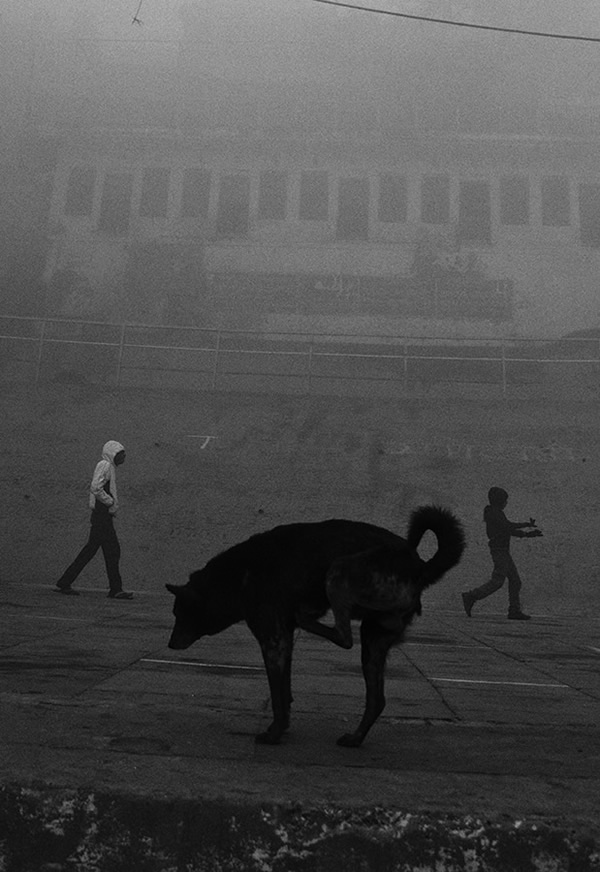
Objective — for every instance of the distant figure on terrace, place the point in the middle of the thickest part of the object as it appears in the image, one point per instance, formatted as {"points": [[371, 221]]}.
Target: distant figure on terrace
{"points": [[104, 503], [499, 531]]}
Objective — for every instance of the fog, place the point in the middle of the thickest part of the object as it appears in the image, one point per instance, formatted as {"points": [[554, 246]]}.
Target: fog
{"points": [[299, 71], [66, 61]]}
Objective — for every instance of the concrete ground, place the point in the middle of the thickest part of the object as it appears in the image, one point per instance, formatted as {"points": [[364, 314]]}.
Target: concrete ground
{"points": [[119, 754], [122, 756]]}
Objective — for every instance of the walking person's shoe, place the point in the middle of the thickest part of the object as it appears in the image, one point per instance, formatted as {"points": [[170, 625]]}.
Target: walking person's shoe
{"points": [[518, 615], [468, 602], [66, 590], [120, 595]]}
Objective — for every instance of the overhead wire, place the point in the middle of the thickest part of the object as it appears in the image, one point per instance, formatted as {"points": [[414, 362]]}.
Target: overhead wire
{"points": [[545, 34], [136, 19], [449, 21]]}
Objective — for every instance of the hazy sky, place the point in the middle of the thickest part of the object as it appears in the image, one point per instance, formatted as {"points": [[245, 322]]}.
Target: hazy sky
{"points": [[58, 44]]}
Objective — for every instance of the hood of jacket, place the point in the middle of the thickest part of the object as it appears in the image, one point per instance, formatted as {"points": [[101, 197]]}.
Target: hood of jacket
{"points": [[110, 450]]}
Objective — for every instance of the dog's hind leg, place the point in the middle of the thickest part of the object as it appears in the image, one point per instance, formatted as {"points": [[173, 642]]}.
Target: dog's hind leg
{"points": [[375, 645], [277, 656], [340, 634], [341, 602]]}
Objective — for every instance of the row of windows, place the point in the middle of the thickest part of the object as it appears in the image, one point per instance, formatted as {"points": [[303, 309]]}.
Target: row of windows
{"points": [[233, 201]]}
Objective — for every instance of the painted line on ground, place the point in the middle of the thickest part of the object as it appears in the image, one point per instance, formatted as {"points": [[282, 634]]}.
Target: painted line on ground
{"points": [[486, 614], [202, 665], [483, 681], [591, 647], [51, 618], [24, 585], [198, 436], [442, 645]]}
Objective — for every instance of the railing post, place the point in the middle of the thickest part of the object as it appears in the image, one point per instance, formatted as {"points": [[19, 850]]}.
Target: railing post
{"points": [[216, 365], [120, 360], [310, 357], [503, 370], [405, 363], [38, 365]]}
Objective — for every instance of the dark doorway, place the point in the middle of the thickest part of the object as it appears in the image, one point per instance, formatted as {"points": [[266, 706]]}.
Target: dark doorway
{"points": [[233, 214], [115, 207], [353, 209], [474, 213], [314, 195], [196, 193], [589, 214]]}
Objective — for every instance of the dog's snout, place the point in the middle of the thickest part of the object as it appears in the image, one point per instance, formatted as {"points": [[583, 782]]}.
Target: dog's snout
{"points": [[180, 640]]}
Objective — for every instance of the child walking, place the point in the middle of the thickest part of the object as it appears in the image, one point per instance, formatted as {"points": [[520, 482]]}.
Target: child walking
{"points": [[104, 504], [499, 531]]}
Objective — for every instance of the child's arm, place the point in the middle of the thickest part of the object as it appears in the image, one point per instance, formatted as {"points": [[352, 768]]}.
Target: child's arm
{"points": [[520, 525], [516, 529], [99, 479]]}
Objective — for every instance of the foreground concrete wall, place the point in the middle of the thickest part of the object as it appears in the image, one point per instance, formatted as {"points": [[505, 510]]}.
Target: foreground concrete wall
{"points": [[54, 830]]}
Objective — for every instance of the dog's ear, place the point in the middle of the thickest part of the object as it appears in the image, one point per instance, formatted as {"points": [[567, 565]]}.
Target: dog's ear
{"points": [[174, 588]]}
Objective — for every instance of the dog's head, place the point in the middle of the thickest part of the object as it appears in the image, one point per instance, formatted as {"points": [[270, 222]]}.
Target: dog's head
{"points": [[187, 611], [200, 612]]}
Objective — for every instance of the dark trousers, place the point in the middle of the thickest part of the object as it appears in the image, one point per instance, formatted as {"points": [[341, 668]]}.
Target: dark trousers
{"points": [[102, 535], [504, 567]]}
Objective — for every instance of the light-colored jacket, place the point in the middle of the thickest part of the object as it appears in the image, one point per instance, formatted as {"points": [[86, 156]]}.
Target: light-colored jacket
{"points": [[106, 471]]}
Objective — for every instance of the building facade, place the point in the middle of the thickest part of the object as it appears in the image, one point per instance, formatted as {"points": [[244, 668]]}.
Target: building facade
{"points": [[242, 197]]}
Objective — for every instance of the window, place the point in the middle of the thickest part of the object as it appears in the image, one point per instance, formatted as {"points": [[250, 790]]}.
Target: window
{"points": [[555, 201], [314, 195], [514, 200], [115, 205], [80, 191], [155, 193], [435, 199], [353, 209], [272, 195], [233, 210], [196, 193], [392, 204], [474, 212], [589, 214]]}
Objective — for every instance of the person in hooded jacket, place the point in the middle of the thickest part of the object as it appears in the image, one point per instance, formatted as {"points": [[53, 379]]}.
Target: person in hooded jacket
{"points": [[104, 504], [499, 531]]}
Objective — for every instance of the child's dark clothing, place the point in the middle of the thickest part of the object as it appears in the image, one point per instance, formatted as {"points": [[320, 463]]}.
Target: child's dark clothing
{"points": [[499, 532], [504, 567], [102, 535], [499, 529], [103, 502]]}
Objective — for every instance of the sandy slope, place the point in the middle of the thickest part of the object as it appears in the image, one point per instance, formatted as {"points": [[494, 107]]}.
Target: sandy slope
{"points": [[275, 459]]}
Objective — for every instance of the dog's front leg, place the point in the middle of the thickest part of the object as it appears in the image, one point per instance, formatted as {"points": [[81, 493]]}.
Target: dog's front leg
{"points": [[277, 656], [375, 645]]}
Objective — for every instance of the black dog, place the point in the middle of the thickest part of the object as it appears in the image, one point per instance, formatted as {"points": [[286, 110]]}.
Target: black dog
{"points": [[276, 582]]}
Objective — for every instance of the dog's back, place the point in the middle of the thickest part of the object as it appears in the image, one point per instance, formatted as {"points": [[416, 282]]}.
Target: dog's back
{"points": [[287, 565]]}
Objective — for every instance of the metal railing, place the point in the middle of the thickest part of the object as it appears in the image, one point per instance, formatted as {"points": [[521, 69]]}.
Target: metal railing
{"points": [[45, 349]]}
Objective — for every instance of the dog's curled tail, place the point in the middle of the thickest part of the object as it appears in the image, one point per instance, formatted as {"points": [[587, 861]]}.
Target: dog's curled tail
{"points": [[450, 536]]}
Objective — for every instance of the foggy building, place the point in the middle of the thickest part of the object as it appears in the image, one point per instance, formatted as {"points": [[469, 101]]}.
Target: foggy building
{"points": [[292, 166]]}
